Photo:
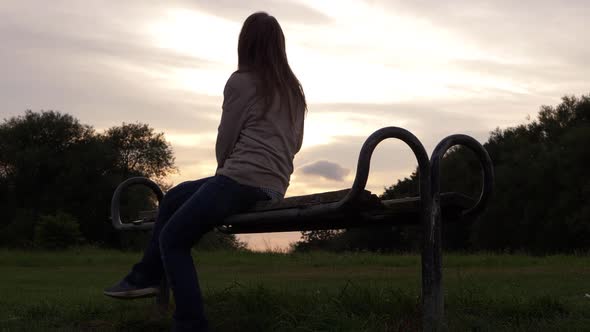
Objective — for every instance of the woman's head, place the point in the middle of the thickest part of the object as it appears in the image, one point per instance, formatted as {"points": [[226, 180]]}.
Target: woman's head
{"points": [[261, 49]]}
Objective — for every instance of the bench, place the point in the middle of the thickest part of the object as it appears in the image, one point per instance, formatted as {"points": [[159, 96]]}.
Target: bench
{"points": [[357, 207]]}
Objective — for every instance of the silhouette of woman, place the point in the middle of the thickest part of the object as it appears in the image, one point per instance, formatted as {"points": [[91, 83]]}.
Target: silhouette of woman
{"points": [[260, 132]]}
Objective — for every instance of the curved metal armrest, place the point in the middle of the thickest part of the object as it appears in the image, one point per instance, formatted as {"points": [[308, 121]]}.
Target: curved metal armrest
{"points": [[364, 161], [484, 160], [116, 204]]}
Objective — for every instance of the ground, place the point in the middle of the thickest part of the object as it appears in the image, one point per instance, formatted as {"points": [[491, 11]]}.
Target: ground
{"points": [[62, 291]]}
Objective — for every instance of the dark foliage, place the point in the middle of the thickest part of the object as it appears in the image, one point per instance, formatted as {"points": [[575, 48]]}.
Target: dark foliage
{"points": [[57, 232], [50, 163], [541, 199]]}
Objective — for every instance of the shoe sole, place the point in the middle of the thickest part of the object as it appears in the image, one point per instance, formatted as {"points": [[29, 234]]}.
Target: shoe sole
{"points": [[134, 294]]}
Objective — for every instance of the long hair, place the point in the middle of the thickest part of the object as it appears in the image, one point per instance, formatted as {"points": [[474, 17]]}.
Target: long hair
{"points": [[261, 50]]}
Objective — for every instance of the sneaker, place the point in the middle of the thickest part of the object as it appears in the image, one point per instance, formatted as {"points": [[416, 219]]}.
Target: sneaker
{"points": [[126, 289]]}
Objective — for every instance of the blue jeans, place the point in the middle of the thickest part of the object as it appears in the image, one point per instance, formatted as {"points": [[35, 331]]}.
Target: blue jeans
{"points": [[188, 211]]}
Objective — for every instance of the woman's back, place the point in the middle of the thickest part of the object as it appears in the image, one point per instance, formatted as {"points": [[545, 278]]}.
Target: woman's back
{"points": [[255, 144]]}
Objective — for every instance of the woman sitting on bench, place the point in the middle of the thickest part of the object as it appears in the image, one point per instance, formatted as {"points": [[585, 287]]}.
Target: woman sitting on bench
{"points": [[260, 132]]}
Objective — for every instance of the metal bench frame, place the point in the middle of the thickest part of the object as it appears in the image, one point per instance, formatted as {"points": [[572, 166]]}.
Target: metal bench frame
{"points": [[428, 209]]}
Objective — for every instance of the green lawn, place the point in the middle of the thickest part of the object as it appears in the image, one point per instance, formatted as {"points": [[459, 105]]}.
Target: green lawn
{"points": [[300, 292]]}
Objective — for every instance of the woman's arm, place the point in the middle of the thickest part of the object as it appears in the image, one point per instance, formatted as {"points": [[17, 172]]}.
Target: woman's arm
{"points": [[300, 138], [235, 105]]}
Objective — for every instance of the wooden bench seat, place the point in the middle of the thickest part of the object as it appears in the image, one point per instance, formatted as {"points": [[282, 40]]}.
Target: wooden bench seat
{"points": [[320, 211]]}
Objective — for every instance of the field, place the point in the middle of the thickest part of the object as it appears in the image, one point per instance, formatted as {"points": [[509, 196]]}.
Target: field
{"points": [[62, 291]]}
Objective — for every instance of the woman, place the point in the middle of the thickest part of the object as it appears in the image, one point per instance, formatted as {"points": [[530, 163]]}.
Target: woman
{"points": [[260, 132]]}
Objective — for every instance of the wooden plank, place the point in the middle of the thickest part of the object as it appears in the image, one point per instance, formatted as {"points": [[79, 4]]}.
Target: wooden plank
{"points": [[313, 199], [293, 202], [313, 212], [403, 211]]}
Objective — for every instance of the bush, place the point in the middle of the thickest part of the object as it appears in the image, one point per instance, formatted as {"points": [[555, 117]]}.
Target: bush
{"points": [[18, 233], [57, 231], [216, 240]]}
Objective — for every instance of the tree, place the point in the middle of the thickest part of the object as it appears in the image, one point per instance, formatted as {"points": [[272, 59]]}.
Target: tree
{"points": [[57, 231], [540, 201], [139, 150], [316, 240], [49, 162], [33, 149]]}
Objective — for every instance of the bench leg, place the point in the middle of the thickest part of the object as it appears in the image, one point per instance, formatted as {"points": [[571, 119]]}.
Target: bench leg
{"points": [[163, 297], [432, 292]]}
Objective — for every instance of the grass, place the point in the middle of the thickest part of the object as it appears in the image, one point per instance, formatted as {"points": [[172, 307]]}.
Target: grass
{"points": [[61, 291]]}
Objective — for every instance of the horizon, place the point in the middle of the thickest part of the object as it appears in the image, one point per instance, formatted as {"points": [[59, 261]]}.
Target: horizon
{"points": [[434, 69]]}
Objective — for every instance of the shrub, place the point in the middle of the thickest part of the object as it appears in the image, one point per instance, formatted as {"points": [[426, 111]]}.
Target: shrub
{"points": [[216, 240], [18, 233], [57, 231]]}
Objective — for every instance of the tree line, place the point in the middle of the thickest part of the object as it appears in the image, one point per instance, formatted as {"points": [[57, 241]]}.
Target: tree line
{"points": [[541, 201], [57, 177]]}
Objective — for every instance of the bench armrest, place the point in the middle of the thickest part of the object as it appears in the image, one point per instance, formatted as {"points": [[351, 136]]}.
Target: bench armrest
{"points": [[140, 224]]}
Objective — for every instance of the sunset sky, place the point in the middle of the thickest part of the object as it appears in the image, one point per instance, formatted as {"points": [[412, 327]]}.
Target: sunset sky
{"points": [[433, 67]]}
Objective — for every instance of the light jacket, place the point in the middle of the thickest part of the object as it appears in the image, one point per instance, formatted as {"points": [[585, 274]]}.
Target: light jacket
{"points": [[253, 149]]}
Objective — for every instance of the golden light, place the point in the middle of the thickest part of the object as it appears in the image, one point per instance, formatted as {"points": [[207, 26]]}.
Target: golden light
{"points": [[364, 54], [191, 140], [196, 34], [323, 128]]}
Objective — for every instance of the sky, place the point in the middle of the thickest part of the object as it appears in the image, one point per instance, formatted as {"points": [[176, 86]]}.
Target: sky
{"points": [[433, 67]]}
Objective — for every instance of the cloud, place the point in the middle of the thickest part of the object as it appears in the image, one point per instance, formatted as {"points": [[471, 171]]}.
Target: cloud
{"points": [[326, 169], [97, 64], [521, 31], [285, 11]]}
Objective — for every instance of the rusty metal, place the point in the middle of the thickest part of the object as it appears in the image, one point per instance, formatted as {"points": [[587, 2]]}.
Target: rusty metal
{"points": [[364, 161], [163, 297], [485, 162], [432, 317], [139, 224], [432, 290]]}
